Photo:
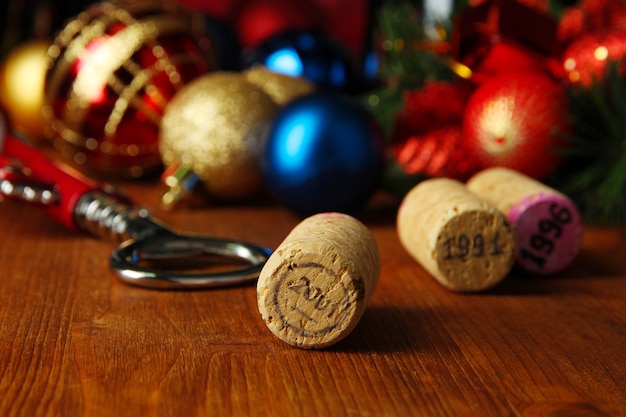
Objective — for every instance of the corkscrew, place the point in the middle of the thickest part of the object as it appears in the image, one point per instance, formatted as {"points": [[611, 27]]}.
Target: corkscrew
{"points": [[145, 244]]}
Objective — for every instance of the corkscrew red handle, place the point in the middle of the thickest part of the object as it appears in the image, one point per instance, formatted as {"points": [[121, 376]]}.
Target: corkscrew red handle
{"points": [[66, 182]]}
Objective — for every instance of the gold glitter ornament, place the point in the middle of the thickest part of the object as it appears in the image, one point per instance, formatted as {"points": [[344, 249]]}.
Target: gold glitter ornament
{"points": [[281, 87], [215, 126], [22, 75], [112, 70]]}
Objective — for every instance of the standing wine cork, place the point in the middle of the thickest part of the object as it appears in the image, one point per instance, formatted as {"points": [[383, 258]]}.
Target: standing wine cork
{"points": [[464, 242], [314, 288], [548, 225]]}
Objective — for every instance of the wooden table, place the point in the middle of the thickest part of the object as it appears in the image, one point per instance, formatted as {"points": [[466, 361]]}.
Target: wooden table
{"points": [[77, 342]]}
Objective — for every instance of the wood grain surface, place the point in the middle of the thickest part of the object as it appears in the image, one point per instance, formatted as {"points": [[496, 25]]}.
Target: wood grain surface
{"points": [[74, 341]]}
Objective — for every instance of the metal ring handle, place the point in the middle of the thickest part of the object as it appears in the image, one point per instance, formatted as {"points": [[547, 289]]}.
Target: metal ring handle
{"points": [[126, 260]]}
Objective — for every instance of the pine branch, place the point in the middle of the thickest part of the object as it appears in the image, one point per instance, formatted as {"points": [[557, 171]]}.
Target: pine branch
{"points": [[593, 173]]}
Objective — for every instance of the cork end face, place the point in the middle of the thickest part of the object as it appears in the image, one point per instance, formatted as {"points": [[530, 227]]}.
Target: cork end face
{"points": [[549, 230], [475, 250], [310, 305]]}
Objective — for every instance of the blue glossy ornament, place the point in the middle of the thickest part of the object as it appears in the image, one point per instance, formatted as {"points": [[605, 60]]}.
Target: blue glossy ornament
{"points": [[324, 152], [311, 54]]}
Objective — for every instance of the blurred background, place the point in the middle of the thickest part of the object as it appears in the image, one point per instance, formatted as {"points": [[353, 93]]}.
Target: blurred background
{"points": [[23, 20], [346, 19], [431, 74]]}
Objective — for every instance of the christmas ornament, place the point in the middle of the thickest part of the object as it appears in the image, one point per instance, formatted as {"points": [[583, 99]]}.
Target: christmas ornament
{"points": [[571, 25], [313, 55], [281, 87], [492, 37], [427, 131], [435, 105], [214, 126], [506, 56], [22, 74], [324, 152], [589, 17], [437, 153], [255, 21], [111, 73], [586, 58], [518, 120]]}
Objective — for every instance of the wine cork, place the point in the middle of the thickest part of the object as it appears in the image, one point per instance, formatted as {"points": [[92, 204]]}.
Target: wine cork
{"points": [[547, 224], [464, 242], [314, 288]]}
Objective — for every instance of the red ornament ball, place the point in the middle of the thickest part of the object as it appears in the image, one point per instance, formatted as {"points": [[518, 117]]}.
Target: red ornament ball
{"points": [[519, 121], [506, 56], [591, 16], [437, 153], [435, 105], [112, 70], [586, 59], [255, 21], [427, 131]]}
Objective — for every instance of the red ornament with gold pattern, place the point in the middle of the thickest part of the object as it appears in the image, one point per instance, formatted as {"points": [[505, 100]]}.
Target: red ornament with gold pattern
{"points": [[111, 73]]}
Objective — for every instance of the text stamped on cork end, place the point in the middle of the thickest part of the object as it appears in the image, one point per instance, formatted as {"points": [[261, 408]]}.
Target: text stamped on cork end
{"points": [[463, 241], [475, 250], [314, 300], [548, 226]]}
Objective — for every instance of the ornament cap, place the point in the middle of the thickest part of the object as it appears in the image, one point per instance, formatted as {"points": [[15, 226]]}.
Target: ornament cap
{"points": [[181, 181]]}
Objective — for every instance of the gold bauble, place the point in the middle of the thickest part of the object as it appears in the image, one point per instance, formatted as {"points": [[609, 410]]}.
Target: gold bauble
{"points": [[281, 87], [22, 75], [216, 125]]}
